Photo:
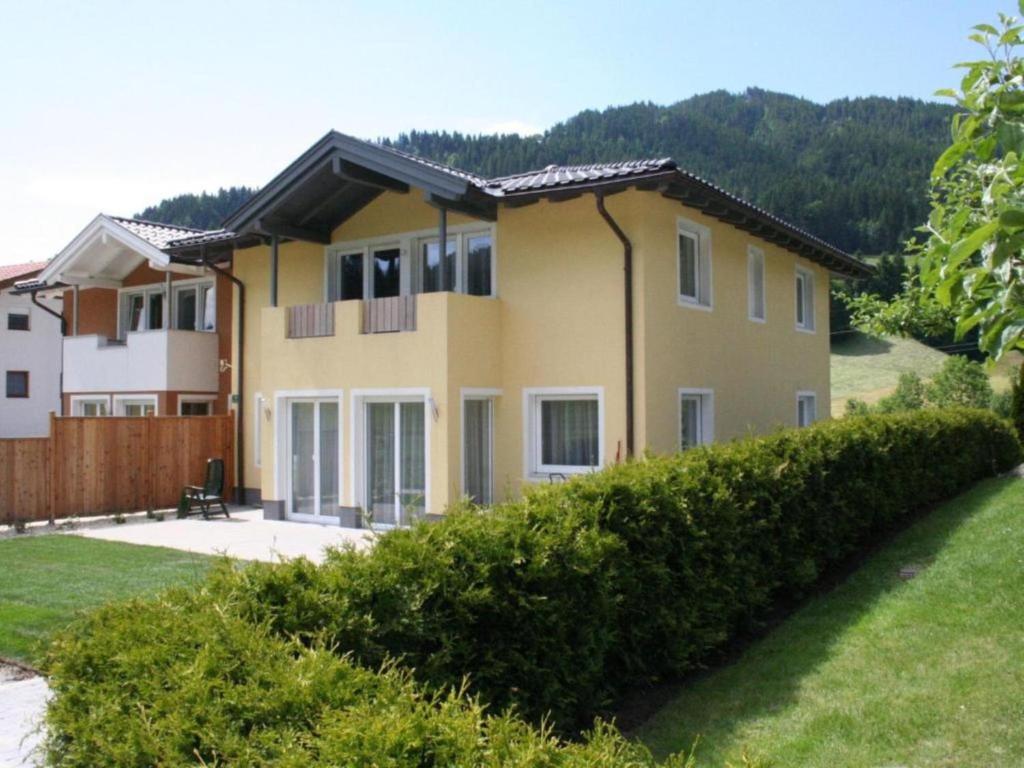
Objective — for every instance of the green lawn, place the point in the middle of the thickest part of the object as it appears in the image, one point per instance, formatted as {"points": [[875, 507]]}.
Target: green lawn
{"points": [[881, 671], [44, 580], [868, 368]]}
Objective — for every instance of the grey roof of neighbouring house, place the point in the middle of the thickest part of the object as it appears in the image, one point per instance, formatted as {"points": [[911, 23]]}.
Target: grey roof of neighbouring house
{"points": [[155, 233], [556, 176]]}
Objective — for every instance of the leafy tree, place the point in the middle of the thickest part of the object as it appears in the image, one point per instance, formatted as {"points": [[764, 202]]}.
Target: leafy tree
{"points": [[970, 264], [961, 382]]}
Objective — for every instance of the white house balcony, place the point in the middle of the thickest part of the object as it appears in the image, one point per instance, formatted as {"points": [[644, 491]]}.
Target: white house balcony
{"points": [[146, 361]]}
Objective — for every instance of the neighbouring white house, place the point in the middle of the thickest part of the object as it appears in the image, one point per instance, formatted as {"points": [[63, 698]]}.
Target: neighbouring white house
{"points": [[30, 355]]}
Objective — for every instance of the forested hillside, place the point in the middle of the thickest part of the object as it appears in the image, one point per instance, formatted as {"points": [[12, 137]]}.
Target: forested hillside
{"points": [[853, 171]]}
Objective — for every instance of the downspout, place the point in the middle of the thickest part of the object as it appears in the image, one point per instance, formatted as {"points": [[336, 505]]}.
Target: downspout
{"points": [[59, 315], [240, 417], [627, 269]]}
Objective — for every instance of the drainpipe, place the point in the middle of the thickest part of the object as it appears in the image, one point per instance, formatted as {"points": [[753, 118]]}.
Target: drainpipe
{"points": [[273, 271], [59, 315], [240, 416], [627, 268]]}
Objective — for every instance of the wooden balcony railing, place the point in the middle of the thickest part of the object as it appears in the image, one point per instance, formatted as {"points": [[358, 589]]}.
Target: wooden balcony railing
{"points": [[388, 315], [310, 320]]}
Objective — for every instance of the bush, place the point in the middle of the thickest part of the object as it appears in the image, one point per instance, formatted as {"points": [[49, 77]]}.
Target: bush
{"points": [[180, 681], [961, 382], [555, 604], [857, 407], [909, 395], [558, 603], [1017, 403]]}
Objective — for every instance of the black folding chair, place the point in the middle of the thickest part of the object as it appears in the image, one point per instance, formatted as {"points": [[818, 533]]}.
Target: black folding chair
{"points": [[211, 492]]}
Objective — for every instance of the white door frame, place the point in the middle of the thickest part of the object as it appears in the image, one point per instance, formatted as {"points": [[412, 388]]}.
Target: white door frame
{"points": [[282, 447]]}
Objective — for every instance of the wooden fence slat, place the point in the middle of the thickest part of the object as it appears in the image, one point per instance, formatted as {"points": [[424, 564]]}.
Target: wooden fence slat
{"points": [[101, 465]]}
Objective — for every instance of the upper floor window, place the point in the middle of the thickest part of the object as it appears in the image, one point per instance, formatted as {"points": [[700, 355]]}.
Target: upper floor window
{"points": [[806, 408], [17, 320], [804, 299], [411, 264], [755, 284], [195, 307], [141, 310], [693, 256], [696, 417], [17, 383]]}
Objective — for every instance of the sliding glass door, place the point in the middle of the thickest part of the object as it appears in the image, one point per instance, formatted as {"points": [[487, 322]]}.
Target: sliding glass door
{"points": [[395, 461], [313, 451]]}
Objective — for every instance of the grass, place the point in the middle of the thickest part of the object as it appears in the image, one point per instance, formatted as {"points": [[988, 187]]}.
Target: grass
{"points": [[868, 368], [45, 580], [881, 671]]}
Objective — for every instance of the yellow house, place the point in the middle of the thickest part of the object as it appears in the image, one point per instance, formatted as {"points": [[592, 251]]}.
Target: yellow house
{"points": [[578, 316]]}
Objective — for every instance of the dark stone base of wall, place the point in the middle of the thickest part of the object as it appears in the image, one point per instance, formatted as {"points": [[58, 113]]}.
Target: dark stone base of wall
{"points": [[273, 510]]}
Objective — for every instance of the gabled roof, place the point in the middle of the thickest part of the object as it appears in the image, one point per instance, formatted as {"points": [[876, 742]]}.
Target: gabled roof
{"points": [[339, 175], [109, 248]]}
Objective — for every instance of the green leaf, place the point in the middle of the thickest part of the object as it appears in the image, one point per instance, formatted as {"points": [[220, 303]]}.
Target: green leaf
{"points": [[1012, 217], [967, 247]]}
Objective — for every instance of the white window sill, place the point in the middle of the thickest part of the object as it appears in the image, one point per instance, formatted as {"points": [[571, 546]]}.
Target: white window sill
{"points": [[691, 304], [758, 320], [804, 329]]}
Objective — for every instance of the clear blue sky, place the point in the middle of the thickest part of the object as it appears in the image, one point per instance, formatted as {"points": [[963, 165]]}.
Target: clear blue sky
{"points": [[113, 106]]}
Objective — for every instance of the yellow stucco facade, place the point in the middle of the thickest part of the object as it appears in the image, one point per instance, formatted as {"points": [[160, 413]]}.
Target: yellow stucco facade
{"points": [[556, 322]]}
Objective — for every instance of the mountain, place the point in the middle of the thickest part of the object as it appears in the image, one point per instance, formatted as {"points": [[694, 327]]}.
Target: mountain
{"points": [[203, 211], [853, 171]]}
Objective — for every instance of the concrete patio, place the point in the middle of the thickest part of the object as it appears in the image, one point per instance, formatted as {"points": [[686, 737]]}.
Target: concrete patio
{"points": [[245, 535]]}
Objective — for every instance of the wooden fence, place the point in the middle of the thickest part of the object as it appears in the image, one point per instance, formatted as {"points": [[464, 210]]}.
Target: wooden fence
{"points": [[102, 465]]}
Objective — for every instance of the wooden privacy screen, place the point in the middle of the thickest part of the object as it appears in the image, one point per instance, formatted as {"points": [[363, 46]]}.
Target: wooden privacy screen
{"points": [[387, 315], [100, 465], [309, 320]]}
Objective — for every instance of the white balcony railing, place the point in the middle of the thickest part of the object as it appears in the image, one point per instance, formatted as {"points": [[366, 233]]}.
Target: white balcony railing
{"points": [[147, 361]]}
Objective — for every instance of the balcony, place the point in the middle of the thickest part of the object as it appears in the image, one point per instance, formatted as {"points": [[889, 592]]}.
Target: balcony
{"points": [[147, 361]]}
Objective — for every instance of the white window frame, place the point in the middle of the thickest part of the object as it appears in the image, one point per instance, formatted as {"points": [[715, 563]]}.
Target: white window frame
{"points": [[476, 393], [121, 401], [357, 437], [146, 291], [257, 429], [177, 287], [704, 300], [807, 325], [706, 409], [756, 260], [211, 399], [409, 244], [532, 399], [79, 400], [805, 395]]}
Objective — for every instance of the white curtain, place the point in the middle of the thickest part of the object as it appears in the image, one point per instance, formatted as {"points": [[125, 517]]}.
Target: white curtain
{"points": [[412, 455], [477, 447], [328, 458], [569, 433]]}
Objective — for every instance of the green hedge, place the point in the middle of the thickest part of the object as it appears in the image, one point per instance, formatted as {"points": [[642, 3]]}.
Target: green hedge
{"points": [[557, 603], [183, 682], [554, 605]]}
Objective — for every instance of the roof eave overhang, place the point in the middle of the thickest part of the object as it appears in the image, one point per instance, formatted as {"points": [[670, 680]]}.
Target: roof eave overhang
{"points": [[330, 153], [61, 267]]}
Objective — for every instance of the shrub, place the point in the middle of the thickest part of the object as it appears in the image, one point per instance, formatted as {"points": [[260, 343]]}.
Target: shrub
{"points": [[557, 603], [180, 681], [909, 395], [554, 604], [1017, 403], [961, 382], [856, 407]]}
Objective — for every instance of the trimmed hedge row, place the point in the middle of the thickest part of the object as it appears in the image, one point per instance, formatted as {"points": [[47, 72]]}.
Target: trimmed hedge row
{"points": [[557, 603], [180, 681], [554, 604]]}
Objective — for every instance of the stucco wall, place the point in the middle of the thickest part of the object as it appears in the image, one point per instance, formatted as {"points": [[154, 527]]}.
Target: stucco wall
{"points": [[38, 352], [557, 321]]}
